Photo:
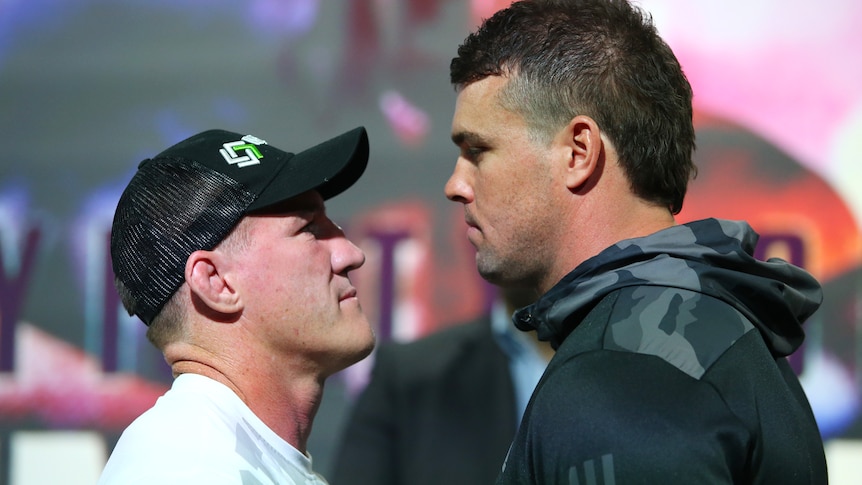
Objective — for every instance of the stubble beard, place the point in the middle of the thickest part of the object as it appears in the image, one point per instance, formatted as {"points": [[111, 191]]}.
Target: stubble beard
{"points": [[503, 271]]}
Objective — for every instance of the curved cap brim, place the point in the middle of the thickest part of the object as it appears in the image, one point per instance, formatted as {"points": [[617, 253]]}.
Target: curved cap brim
{"points": [[330, 167]]}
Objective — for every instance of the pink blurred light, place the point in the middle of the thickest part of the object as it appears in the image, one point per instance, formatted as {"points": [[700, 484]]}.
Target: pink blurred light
{"points": [[409, 123], [789, 71]]}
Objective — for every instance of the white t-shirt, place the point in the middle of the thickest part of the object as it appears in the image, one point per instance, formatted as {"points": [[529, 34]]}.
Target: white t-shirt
{"points": [[201, 432]]}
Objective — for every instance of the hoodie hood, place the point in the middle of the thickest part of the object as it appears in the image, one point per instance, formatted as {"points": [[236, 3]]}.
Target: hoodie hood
{"points": [[713, 257]]}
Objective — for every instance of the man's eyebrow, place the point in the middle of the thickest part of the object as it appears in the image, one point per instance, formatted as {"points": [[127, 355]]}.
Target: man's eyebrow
{"points": [[468, 138]]}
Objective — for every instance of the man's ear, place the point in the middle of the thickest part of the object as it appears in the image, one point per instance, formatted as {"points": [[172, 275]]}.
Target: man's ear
{"points": [[583, 144], [209, 285]]}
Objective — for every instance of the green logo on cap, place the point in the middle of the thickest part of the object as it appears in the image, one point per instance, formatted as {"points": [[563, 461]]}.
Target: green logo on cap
{"points": [[241, 153]]}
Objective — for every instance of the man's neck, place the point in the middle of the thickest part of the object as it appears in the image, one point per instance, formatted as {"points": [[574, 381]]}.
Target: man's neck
{"points": [[285, 401], [596, 230]]}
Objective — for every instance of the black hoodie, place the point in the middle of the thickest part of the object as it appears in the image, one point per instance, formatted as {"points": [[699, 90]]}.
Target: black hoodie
{"points": [[660, 376]]}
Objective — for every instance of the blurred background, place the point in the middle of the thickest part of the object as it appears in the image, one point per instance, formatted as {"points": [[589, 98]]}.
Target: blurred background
{"points": [[88, 88]]}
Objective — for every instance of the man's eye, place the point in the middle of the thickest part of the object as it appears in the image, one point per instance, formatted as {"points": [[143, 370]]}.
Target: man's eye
{"points": [[307, 227], [473, 153], [318, 229]]}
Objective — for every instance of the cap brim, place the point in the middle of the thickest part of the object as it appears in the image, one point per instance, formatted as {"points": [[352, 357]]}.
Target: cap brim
{"points": [[330, 168]]}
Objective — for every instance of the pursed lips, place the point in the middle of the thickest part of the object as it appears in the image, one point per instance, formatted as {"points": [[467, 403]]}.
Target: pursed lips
{"points": [[347, 294], [469, 220], [474, 232]]}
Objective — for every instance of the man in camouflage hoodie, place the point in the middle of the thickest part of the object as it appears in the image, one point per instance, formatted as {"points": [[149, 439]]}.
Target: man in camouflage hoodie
{"points": [[574, 125]]}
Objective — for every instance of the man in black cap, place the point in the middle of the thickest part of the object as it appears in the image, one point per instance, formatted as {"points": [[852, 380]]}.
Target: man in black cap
{"points": [[222, 246]]}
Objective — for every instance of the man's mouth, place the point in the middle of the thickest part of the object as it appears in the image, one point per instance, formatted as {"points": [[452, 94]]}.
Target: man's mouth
{"points": [[350, 293]]}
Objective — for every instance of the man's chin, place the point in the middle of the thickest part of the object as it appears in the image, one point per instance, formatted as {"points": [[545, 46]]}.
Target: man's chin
{"points": [[491, 275], [349, 357], [496, 275], [364, 350]]}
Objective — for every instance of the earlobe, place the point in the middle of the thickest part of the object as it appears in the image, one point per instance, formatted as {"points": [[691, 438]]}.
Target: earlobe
{"points": [[585, 145], [209, 285]]}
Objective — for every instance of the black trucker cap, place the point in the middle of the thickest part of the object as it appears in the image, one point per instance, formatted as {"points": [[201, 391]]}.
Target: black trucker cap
{"points": [[190, 196]]}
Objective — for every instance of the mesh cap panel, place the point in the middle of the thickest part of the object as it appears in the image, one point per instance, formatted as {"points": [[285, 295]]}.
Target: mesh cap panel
{"points": [[159, 222]]}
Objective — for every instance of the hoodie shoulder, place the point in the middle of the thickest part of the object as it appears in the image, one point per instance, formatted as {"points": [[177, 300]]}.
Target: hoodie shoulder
{"points": [[687, 329]]}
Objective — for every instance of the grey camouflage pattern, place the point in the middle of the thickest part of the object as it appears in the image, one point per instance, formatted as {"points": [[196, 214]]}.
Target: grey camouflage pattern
{"points": [[682, 270], [675, 325]]}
